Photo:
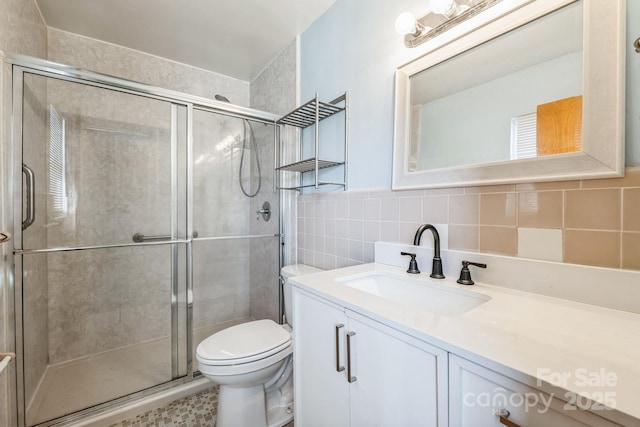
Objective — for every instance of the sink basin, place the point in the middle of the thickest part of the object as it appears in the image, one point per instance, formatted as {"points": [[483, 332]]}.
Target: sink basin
{"points": [[416, 294]]}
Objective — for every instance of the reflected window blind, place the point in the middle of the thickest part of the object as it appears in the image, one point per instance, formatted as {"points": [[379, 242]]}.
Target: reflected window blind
{"points": [[523, 136], [57, 172]]}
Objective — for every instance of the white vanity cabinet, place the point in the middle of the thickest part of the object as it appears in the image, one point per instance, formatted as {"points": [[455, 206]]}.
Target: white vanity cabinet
{"points": [[353, 371], [477, 397], [321, 388]]}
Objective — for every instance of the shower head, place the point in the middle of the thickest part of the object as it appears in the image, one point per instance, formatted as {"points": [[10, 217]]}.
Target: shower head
{"points": [[222, 98]]}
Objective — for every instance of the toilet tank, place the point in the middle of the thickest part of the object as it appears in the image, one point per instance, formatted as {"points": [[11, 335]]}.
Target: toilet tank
{"points": [[286, 273]]}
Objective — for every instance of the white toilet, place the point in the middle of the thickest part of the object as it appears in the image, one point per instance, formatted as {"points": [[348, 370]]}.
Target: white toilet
{"points": [[253, 364]]}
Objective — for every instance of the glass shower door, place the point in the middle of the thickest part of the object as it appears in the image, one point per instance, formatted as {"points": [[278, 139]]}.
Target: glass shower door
{"points": [[101, 261], [236, 253]]}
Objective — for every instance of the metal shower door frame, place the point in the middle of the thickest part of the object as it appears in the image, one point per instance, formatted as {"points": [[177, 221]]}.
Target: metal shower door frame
{"points": [[17, 147], [12, 207]]}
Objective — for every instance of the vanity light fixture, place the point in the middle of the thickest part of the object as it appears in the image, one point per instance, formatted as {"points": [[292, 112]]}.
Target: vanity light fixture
{"points": [[443, 15], [406, 24], [447, 8]]}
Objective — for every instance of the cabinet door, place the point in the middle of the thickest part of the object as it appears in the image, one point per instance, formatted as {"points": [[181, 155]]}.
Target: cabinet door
{"points": [[321, 387], [477, 394], [396, 378]]}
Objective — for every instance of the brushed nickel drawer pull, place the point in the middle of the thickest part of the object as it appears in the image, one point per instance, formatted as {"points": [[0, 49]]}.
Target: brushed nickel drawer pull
{"points": [[504, 414], [350, 378], [338, 367]]}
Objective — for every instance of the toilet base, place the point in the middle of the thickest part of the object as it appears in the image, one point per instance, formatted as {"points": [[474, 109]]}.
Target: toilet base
{"points": [[252, 411], [279, 416]]}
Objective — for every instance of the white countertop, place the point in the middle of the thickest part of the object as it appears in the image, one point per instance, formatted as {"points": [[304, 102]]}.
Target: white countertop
{"points": [[523, 335]]}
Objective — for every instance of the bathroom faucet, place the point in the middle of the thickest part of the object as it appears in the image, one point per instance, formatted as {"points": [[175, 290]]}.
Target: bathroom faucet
{"points": [[436, 269]]}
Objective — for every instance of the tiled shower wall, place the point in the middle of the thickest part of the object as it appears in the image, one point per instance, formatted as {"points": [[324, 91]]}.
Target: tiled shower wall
{"points": [[273, 90], [591, 222]]}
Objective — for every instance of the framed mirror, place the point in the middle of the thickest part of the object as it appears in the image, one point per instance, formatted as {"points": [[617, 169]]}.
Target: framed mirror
{"points": [[534, 95]]}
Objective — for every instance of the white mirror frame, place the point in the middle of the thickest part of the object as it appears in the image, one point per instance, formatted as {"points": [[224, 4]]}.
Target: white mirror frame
{"points": [[602, 153]]}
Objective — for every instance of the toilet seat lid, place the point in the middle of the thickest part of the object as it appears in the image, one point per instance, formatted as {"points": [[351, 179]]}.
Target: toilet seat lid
{"points": [[244, 341]]}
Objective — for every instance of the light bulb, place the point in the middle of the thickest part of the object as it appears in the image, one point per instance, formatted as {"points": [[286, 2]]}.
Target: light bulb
{"points": [[406, 24], [447, 8]]}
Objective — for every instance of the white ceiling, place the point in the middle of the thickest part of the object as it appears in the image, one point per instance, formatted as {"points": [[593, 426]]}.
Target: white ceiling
{"points": [[237, 38]]}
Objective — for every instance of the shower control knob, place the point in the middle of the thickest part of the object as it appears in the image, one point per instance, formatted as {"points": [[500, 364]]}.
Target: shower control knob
{"points": [[265, 212]]}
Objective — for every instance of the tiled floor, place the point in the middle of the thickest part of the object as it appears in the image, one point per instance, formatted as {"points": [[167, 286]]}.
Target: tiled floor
{"points": [[198, 410]]}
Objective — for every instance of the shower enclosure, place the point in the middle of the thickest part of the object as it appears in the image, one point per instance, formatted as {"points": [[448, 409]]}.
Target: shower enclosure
{"points": [[133, 240]]}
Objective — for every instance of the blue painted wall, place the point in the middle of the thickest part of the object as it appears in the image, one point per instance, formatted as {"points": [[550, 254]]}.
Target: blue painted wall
{"points": [[354, 47]]}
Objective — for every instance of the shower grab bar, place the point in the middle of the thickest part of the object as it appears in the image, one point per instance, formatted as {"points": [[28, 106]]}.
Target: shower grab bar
{"points": [[31, 192], [140, 238], [6, 358]]}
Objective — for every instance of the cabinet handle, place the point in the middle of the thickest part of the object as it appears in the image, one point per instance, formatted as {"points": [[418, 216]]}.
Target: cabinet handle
{"points": [[338, 367], [504, 414], [350, 378]]}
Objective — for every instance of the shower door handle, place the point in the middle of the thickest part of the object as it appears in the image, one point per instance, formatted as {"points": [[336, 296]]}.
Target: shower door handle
{"points": [[31, 193]]}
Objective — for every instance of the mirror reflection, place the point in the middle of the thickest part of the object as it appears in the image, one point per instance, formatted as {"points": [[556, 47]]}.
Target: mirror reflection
{"points": [[514, 97]]}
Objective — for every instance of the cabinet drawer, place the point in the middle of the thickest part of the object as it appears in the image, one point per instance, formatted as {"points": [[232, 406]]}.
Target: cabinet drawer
{"points": [[477, 395]]}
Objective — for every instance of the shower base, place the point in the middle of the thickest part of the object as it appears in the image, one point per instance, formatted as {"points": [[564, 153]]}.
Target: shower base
{"points": [[72, 386]]}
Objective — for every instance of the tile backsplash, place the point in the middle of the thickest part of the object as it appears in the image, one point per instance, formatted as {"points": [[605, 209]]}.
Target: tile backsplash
{"points": [[591, 222]]}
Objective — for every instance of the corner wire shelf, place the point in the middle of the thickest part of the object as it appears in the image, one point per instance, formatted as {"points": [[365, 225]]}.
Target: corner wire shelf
{"points": [[307, 115]]}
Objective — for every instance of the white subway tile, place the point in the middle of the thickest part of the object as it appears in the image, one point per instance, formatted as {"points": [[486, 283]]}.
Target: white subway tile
{"points": [[410, 209], [371, 231], [342, 208], [540, 243], [356, 250], [342, 248], [389, 231], [330, 227], [356, 230], [369, 252], [372, 209], [342, 228], [356, 209], [389, 209]]}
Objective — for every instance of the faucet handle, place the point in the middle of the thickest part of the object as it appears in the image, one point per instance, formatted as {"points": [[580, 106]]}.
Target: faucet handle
{"points": [[465, 273], [413, 264]]}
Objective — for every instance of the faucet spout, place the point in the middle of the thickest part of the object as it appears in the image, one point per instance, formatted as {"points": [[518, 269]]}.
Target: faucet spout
{"points": [[436, 270]]}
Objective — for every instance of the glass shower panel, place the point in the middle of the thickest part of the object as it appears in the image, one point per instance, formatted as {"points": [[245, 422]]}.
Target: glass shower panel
{"points": [[232, 172], [235, 257], [101, 162], [221, 286], [107, 327], [108, 318]]}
